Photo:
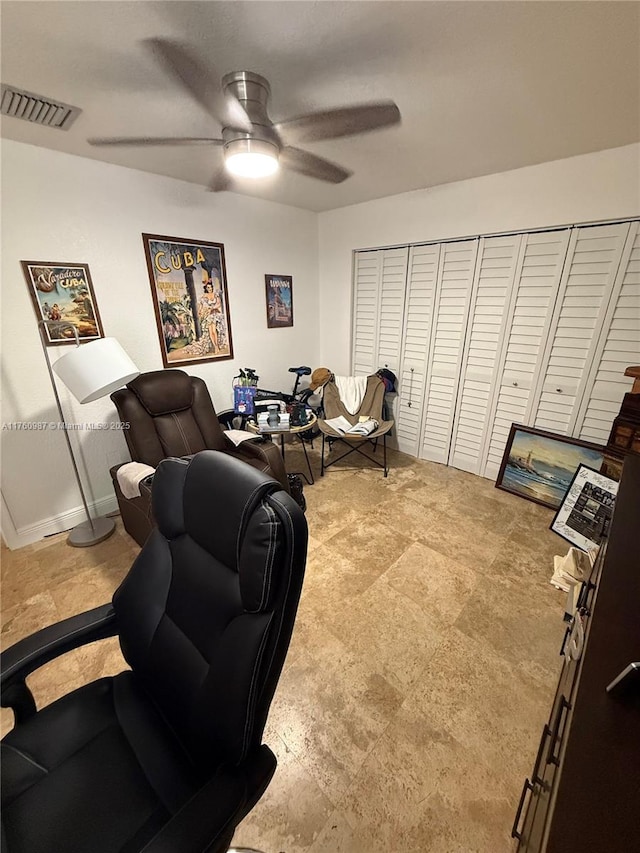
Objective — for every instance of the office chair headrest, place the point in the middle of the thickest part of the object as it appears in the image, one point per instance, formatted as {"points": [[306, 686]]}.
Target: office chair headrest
{"points": [[219, 501], [161, 392]]}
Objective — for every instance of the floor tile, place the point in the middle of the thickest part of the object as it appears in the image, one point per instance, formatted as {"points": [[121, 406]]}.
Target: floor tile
{"points": [[494, 707], [505, 616], [292, 812], [330, 708], [420, 672], [440, 586]]}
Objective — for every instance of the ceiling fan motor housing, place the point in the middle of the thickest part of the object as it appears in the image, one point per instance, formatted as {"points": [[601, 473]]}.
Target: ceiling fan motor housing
{"points": [[252, 91]]}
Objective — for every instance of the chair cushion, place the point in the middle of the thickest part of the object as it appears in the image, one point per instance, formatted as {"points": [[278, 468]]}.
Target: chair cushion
{"points": [[53, 799]]}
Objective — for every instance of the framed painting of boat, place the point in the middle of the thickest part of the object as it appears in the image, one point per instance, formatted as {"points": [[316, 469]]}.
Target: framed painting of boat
{"points": [[540, 466]]}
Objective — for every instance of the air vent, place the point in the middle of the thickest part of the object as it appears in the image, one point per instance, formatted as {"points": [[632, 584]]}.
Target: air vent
{"points": [[37, 109]]}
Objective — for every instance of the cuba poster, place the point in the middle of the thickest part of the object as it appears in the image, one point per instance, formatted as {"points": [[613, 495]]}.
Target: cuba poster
{"points": [[62, 294], [189, 287]]}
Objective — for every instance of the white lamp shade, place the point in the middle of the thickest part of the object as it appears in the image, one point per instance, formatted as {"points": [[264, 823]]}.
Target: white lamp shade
{"points": [[95, 369]]}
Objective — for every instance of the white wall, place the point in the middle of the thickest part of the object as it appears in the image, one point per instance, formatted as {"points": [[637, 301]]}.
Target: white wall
{"points": [[592, 187], [58, 207]]}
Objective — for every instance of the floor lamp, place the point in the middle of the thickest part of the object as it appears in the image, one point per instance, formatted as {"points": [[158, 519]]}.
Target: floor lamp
{"points": [[90, 371]]}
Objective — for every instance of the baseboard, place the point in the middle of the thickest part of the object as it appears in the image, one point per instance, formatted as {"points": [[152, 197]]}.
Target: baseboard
{"points": [[19, 537]]}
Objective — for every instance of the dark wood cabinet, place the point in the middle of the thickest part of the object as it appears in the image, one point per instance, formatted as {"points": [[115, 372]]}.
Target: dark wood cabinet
{"points": [[584, 790]]}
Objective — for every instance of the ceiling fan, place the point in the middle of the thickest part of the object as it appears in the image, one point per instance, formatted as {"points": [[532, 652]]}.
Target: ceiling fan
{"points": [[253, 145]]}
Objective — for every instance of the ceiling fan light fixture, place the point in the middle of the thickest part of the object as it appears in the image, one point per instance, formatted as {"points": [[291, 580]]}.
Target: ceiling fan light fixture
{"points": [[251, 158]]}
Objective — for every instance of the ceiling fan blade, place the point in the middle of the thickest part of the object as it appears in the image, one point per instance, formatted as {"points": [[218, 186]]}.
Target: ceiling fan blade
{"points": [[331, 124], [155, 140], [201, 83], [312, 165], [221, 181]]}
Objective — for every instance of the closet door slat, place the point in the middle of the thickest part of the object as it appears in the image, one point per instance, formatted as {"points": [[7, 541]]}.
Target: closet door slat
{"points": [[366, 297], [453, 293], [535, 288], [592, 264], [418, 323], [498, 258], [618, 348], [392, 295]]}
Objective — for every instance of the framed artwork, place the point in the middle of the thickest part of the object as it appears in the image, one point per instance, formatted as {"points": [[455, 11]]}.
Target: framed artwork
{"points": [[63, 292], [189, 289], [279, 292], [585, 513], [540, 465]]}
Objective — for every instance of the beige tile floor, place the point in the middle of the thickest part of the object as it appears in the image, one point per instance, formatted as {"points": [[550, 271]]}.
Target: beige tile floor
{"points": [[421, 670]]}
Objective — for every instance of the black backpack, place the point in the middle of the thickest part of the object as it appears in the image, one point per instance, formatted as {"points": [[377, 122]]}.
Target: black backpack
{"points": [[388, 378]]}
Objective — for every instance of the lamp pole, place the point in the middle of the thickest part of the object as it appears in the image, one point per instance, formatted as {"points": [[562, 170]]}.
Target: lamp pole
{"points": [[92, 531]]}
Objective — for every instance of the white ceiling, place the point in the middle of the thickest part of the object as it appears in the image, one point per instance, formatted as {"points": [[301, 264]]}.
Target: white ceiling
{"points": [[482, 87]]}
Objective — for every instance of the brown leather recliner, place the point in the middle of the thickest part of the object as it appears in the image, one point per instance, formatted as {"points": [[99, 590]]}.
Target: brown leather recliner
{"points": [[170, 413]]}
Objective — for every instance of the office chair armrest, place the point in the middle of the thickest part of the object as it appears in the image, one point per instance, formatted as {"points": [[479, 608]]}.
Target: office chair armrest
{"points": [[205, 824], [21, 659]]}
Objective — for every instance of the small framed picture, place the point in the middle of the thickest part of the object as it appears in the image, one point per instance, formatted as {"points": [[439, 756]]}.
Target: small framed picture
{"points": [[279, 292], [63, 294], [585, 513]]}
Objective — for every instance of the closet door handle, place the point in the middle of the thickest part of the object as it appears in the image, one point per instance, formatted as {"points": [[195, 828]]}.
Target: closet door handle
{"points": [[515, 384], [515, 832], [559, 390]]}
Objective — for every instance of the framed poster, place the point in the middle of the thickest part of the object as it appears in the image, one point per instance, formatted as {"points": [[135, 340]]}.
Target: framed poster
{"points": [[585, 513], [279, 293], [63, 292], [189, 289], [540, 465]]}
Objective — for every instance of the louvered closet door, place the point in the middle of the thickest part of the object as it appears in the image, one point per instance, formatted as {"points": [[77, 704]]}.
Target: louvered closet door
{"points": [[379, 286], [418, 323], [536, 286], [366, 297], [392, 294], [617, 349], [587, 282], [498, 259], [453, 293]]}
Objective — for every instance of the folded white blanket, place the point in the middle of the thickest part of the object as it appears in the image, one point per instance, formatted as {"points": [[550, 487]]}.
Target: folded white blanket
{"points": [[352, 390], [130, 476]]}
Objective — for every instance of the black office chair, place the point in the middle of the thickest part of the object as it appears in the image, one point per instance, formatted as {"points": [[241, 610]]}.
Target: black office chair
{"points": [[165, 757]]}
